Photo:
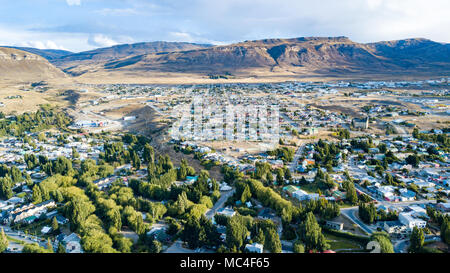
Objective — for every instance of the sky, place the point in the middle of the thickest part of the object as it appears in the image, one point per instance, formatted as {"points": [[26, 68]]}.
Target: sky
{"points": [[79, 25]]}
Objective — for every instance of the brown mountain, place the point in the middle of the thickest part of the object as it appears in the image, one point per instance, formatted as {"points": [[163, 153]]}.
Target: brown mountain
{"points": [[315, 56], [82, 62], [18, 65]]}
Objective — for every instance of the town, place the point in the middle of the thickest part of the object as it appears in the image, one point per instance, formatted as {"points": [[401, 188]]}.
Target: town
{"points": [[288, 167]]}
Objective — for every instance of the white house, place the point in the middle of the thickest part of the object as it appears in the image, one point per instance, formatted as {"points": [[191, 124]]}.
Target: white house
{"points": [[255, 247], [410, 221]]}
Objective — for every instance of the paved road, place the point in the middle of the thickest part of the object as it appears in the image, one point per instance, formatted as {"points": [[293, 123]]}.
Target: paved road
{"points": [[293, 165], [350, 213], [219, 204], [29, 239], [402, 245], [155, 108]]}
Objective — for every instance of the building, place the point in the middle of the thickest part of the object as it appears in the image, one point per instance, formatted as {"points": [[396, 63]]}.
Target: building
{"points": [[444, 207], [33, 210], [410, 221], [394, 227], [334, 225], [255, 247], [71, 242], [361, 123], [227, 211], [302, 195]]}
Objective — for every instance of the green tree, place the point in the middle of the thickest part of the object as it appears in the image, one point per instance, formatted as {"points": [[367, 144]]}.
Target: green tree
{"points": [[192, 232], [417, 240], [312, 234], [6, 188], [246, 194], [55, 225], [445, 230], [3, 241], [36, 197], [61, 248], [383, 239], [299, 247], [78, 210], [49, 246], [272, 241]]}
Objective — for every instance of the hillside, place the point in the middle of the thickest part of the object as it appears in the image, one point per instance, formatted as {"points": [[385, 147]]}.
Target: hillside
{"points": [[313, 56], [78, 63], [49, 54], [17, 65]]}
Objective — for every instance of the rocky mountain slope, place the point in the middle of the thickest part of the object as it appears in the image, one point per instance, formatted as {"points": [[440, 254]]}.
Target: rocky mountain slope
{"points": [[18, 65]]}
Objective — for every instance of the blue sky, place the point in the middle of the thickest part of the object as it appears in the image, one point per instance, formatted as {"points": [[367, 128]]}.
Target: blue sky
{"points": [[79, 25]]}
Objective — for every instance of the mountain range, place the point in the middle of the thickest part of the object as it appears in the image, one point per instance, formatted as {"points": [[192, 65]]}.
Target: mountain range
{"points": [[298, 57]]}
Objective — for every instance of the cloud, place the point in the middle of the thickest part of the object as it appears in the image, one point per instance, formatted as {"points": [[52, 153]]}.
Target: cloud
{"points": [[100, 40], [42, 45], [117, 12], [104, 22], [73, 2]]}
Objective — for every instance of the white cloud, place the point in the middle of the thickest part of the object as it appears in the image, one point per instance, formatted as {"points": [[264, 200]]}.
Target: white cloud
{"points": [[43, 45], [101, 40], [117, 12], [73, 2]]}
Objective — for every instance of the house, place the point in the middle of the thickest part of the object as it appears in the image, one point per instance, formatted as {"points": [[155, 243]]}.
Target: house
{"points": [[191, 179], [62, 220], [301, 195], [158, 233], [46, 230], [255, 247], [444, 207], [394, 227], [290, 189], [227, 211], [410, 221], [224, 187], [334, 225], [71, 242], [361, 123]]}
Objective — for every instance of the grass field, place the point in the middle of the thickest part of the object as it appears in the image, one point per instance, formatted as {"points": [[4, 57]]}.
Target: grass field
{"points": [[339, 244]]}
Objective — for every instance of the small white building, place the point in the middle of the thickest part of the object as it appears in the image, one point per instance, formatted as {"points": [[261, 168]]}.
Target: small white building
{"points": [[255, 247]]}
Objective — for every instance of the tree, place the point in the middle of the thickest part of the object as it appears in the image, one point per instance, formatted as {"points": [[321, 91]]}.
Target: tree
{"points": [[156, 246], [34, 248], [312, 234], [445, 230], [288, 175], [272, 241], [49, 246], [383, 239], [55, 225], [280, 176], [192, 232], [236, 232], [246, 194], [78, 210], [367, 213], [413, 160], [149, 154], [417, 240], [37, 194], [3, 241], [61, 248], [351, 195], [6, 188], [299, 247]]}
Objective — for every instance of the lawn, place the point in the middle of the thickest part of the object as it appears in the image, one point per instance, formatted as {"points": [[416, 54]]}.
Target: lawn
{"points": [[337, 243]]}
